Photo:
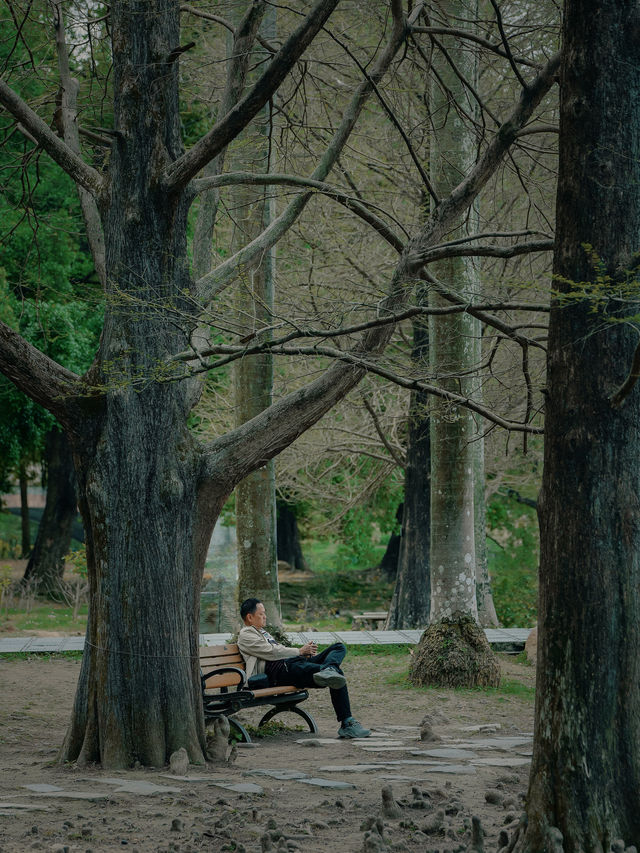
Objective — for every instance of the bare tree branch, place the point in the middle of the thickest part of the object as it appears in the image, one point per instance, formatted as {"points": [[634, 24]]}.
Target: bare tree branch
{"points": [[67, 159], [399, 458], [69, 111], [268, 433], [209, 285], [229, 126], [463, 195], [37, 375], [507, 48], [466, 34], [208, 16], [488, 251], [251, 178], [244, 37], [538, 128], [246, 348]]}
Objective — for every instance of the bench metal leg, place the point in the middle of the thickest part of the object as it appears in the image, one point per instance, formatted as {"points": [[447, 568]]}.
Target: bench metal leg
{"points": [[294, 710], [245, 738]]}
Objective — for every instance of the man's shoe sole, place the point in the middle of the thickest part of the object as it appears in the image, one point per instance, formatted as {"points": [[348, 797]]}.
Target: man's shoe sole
{"points": [[329, 679]]}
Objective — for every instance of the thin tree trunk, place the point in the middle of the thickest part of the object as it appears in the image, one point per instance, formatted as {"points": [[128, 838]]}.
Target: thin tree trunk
{"points": [[46, 564], [585, 777], [288, 537], [253, 376], [25, 527], [410, 604], [389, 561], [487, 615]]}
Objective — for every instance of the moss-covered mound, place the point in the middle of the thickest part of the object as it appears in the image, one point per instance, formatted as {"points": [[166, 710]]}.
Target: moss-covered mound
{"points": [[454, 653]]}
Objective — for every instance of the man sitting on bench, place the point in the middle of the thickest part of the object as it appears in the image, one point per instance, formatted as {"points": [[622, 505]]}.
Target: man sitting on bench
{"points": [[301, 667]]}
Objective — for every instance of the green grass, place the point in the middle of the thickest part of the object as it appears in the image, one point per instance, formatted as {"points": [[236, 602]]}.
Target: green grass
{"points": [[390, 650], [41, 656], [11, 535], [43, 616], [508, 687], [513, 557]]}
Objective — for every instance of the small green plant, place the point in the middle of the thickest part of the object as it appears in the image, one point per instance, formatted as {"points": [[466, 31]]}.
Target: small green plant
{"points": [[77, 561], [272, 729], [5, 584]]}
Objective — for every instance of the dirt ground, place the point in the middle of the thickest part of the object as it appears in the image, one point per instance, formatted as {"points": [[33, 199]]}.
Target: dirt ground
{"points": [[35, 703]]}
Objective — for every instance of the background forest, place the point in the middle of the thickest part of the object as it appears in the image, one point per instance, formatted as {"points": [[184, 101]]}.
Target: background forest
{"points": [[347, 478]]}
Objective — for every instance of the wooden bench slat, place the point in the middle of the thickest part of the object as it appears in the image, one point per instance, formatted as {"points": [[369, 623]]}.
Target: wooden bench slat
{"points": [[227, 660], [227, 679], [275, 691]]}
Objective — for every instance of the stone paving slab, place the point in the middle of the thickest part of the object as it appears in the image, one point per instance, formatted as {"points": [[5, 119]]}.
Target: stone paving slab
{"points": [[509, 639], [24, 807]]}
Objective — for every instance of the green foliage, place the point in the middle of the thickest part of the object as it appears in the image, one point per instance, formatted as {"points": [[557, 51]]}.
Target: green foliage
{"points": [[513, 554], [273, 728], [77, 561], [611, 295], [323, 596], [10, 534], [48, 289]]}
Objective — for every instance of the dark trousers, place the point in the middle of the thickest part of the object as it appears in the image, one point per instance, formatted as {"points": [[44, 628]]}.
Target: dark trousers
{"points": [[299, 671]]}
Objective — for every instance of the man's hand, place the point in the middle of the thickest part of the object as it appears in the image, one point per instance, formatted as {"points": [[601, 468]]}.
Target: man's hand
{"points": [[309, 649]]}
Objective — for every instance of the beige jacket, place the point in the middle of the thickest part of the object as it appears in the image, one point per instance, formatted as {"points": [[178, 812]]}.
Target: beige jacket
{"points": [[256, 650]]}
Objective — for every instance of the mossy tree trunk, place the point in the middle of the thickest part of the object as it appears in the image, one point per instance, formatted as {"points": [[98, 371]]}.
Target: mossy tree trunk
{"points": [[585, 778], [453, 556]]}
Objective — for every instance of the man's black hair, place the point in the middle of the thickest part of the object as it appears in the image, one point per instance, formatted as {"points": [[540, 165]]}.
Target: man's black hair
{"points": [[248, 606]]}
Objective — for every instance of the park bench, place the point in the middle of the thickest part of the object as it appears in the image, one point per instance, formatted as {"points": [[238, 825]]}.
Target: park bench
{"points": [[226, 690], [372, 619]]}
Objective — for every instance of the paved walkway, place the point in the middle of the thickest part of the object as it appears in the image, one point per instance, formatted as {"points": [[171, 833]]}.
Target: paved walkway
{"points": [[501, 639]]}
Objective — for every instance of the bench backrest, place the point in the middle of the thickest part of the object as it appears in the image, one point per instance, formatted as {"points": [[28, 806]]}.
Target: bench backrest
{"points": [[214, 657]]}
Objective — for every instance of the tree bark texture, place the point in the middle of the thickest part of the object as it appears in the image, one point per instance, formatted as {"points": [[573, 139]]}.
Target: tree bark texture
{"points": [[453, 559], [138, 697], [411, 599], [487, 616], [253, 375], [46, 564], [585, 776]]}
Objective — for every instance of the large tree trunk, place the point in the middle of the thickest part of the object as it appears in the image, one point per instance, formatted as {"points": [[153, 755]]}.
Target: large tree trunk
{"points": [[585, 776], [453, 558], [411, 599], [46, 564], [138, 697]]}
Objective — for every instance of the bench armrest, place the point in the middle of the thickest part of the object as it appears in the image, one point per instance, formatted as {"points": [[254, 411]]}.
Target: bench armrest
{"points": [[223, 669]]}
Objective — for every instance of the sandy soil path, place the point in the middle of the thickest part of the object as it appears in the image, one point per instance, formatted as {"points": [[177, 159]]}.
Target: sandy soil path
{"points": [[436, 804]]}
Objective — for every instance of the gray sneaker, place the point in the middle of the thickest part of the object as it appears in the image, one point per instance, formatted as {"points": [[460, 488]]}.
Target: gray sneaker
{"points": [[352, 728], [329, 677]]}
